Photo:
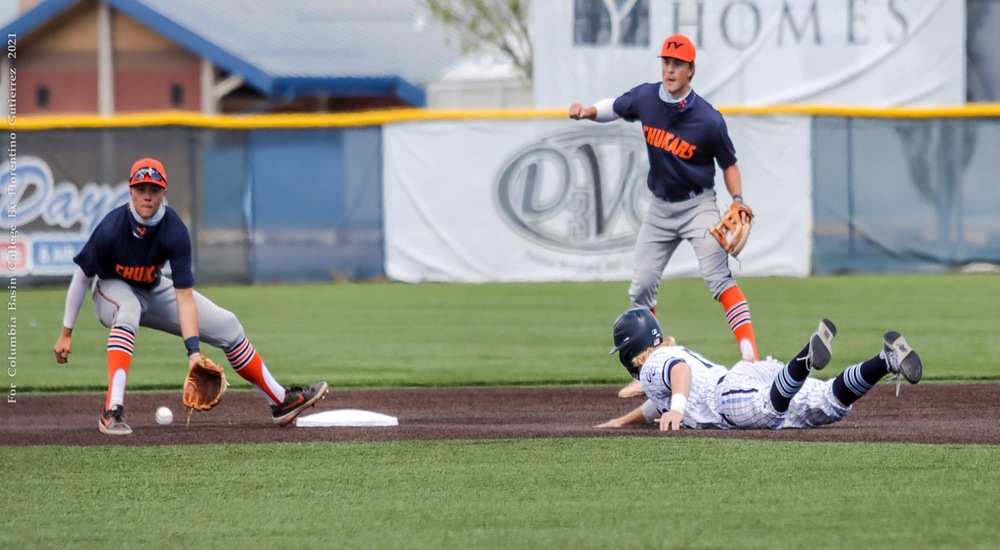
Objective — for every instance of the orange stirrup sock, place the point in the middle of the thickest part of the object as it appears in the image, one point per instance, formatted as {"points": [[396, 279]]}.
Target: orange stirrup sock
{"points": [[248, 364], [121, 343], [738, 317]]}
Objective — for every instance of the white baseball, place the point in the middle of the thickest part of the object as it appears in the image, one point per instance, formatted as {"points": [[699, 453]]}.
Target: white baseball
{"points": [[163, 416]]}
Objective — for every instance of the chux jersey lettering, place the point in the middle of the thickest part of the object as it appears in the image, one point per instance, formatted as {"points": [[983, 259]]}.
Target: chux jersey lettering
{"points": [[139, 274]]}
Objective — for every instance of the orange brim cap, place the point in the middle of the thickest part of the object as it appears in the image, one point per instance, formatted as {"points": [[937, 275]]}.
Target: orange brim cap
{"points": [[678, 46], [148, 170]]}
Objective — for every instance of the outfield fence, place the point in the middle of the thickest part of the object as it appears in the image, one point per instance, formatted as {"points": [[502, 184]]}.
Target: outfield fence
{"points": [[477, 196]]}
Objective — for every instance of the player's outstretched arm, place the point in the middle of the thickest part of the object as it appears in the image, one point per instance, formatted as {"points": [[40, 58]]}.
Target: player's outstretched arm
{"points": [[602, 111], [633, 417], [187, 313], [74, 300], [645, 414]]}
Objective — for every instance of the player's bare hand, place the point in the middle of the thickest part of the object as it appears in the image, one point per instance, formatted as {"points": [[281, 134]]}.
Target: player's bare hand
{"points": [[193, 360], [62, 347], [614, 423], [577, 111], [671, 420]]}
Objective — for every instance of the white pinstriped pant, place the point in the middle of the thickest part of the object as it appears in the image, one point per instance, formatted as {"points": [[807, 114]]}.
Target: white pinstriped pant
{"points": [[743, 400]]}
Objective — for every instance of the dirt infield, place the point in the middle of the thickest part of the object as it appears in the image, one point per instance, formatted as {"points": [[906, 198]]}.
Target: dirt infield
{"points": [[955, 414]]}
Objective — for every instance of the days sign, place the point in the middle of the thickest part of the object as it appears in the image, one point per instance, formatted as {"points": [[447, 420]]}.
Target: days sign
{"points": [[52, 220]]}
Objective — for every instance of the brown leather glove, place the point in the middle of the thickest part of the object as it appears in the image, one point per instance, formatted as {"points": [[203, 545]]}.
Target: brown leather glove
{"points": [[205, 384], [733, 229]]}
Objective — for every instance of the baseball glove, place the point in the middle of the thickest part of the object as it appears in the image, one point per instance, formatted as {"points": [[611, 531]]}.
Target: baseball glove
{"points": [[204, 386], [733, 229]]}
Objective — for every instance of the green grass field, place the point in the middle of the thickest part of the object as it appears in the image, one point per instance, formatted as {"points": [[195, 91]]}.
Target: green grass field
{"points": [[600, 493], [391, 334], [596, 493]]}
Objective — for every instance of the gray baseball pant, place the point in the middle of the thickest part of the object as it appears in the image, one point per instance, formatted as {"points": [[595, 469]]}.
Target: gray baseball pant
{"points": [[667, 224]]}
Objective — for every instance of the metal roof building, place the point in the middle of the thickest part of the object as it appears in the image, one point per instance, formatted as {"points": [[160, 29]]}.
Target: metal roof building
{"points": [[386, 51]]}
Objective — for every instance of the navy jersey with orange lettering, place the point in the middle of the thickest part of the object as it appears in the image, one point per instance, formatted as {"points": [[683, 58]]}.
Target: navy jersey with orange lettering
{"points": [[122, 248], [683, 140]]}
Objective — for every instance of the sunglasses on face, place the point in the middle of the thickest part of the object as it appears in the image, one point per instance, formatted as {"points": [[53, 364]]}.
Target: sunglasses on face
{"points": [[143, 173]]}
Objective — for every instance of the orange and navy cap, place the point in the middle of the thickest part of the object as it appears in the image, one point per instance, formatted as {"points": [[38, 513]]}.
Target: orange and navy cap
{"points": [[148, 171], [678, 46]]}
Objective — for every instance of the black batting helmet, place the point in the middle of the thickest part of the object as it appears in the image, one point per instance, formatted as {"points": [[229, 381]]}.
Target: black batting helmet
{"points": [[634, 331]]}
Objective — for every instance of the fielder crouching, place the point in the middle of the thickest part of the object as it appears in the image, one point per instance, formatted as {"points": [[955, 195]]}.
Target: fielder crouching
{"points": [[125, 255], [687, 390]]}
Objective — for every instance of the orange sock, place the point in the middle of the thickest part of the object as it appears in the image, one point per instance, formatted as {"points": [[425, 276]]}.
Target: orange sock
{"points": [[121, 342], [738, 316], [248, 364]]}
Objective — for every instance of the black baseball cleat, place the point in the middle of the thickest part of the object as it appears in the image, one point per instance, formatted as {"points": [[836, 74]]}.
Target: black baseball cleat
{"points": [[297, 400], [821, 345], [113, 421]]}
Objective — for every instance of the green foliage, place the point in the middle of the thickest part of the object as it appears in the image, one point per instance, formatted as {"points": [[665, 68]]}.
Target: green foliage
{"points": [[489, 25], [392, 335], [614, 492]]}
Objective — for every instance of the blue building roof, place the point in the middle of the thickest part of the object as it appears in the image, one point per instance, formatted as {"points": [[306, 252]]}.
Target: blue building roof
{"points": [[289, 49]]}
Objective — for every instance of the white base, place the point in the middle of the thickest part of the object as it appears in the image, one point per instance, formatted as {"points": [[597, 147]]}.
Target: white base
{"points": [[345, 417]]}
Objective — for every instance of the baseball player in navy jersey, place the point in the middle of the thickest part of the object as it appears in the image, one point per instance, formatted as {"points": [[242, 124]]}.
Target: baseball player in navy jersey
{"points": [[123, 259], [685, 138], [686, 390]]}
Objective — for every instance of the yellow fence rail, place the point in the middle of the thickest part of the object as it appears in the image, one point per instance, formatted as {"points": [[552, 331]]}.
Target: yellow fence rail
{"points": [[390, 116]]}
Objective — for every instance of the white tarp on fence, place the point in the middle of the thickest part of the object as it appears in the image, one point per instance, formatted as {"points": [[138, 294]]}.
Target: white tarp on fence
{"points": [[765, 52], [549, 200]]}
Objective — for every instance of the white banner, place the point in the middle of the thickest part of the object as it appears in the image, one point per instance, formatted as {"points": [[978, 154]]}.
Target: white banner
{"points": [[759, 52], [550, 200]]}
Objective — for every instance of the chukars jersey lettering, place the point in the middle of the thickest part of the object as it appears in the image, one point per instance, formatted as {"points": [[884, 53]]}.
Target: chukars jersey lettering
{"points": [[683, 140]]}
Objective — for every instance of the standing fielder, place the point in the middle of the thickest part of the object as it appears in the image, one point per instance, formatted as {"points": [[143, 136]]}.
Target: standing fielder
{"points": [[684, 135], [125, 254], [686, 390]]}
